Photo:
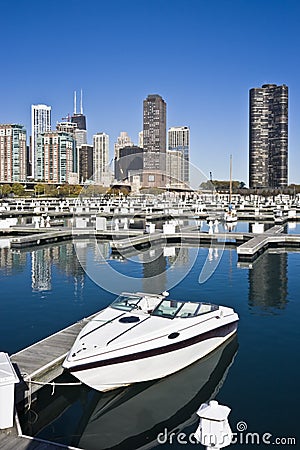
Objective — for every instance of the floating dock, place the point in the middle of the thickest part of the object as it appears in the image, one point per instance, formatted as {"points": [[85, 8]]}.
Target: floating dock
{"points": [[272, 238], [249, 245], [41, 362]]}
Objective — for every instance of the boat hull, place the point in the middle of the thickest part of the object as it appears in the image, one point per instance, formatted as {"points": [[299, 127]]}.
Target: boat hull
{"points": [[105, 375]]}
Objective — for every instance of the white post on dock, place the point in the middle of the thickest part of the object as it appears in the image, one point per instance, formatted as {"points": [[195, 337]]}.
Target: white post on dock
{"points": [[213, 431]]}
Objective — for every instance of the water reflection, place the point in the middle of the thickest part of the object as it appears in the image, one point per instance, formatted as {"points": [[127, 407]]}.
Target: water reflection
{"points": [[66, 260], [42, 260], [131, 417], [12, 263], [41, 269], [154, 270], [268, 281]]}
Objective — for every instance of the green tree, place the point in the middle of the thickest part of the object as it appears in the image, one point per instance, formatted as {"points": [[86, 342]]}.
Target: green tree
{"points": [[50, 190], [64, 190], [18, 189], [152, 190], [5, 190], [75, 189], [39, 189]]}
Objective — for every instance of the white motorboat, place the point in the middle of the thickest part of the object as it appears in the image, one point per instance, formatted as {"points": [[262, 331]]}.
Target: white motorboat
{"points": [[104, 420], [142, 337]]}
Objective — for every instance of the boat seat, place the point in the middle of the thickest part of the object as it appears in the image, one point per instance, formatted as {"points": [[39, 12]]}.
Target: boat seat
{"points": [[166, 312], [146, 305]]}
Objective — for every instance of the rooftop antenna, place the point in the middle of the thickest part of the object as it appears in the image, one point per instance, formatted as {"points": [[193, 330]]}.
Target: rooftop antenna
{"points": [[81, 109], [74, 102]]}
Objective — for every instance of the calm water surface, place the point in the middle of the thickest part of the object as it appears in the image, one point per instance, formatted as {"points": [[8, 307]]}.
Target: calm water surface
{"points": [[46, 289]]}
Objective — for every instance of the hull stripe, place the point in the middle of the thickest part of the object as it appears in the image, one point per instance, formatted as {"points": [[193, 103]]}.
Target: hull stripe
{"points": [[222, 331]]}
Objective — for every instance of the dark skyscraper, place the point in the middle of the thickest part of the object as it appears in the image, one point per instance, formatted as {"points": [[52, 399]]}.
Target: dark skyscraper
{"points": [[154, 140], [85, 162], [268, 137], [79, 118]]}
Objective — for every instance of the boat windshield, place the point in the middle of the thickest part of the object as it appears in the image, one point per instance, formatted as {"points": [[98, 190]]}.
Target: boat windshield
{"points": [[174, 308], [126, 302]]}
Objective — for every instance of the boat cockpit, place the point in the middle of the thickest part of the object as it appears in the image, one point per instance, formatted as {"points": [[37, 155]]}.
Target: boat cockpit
{"points": [[180, 309], [158, 305]]}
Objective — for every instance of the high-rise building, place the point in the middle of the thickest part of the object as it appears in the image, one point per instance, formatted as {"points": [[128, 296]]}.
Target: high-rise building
{"points": [[85, 163], [175, 166], [122, 141], [154, 140], [13, 153], [179, 141], [79, 118], [67, 127], [56, 158], [40, 123], [268, 137], [101, 158], [81, 137]]}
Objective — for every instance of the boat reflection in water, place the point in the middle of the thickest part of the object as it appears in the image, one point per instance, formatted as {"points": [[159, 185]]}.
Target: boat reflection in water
{"points": [[132, 417]]}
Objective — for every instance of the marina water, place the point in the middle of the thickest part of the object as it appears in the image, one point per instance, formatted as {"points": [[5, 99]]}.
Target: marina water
{"points": [[46, 289]]}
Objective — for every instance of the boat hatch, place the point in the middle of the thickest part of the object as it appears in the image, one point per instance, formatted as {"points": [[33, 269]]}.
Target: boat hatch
{"points": [[173, 308]]}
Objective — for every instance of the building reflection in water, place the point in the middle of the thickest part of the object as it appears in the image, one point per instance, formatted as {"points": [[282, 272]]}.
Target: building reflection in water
{"points": [[268, 281], [67, 262], [101, 252], [154, 270], [41, 269], [157, 264], [64, 258], [12, 262], [177, 255]]}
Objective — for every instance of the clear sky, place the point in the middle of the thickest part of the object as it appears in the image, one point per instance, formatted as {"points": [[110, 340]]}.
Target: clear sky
{"points": [[201, 56]]}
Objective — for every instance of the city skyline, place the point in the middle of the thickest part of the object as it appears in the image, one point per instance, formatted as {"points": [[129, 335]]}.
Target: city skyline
{"points": [[204, 73]]}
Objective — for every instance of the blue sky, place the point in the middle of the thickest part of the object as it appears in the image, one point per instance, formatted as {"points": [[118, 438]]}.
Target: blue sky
{"points": [[201, 56]]}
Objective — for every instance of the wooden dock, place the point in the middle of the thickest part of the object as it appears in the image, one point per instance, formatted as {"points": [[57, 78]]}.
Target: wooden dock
{"points": [[41, 362], [12, 440]]}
